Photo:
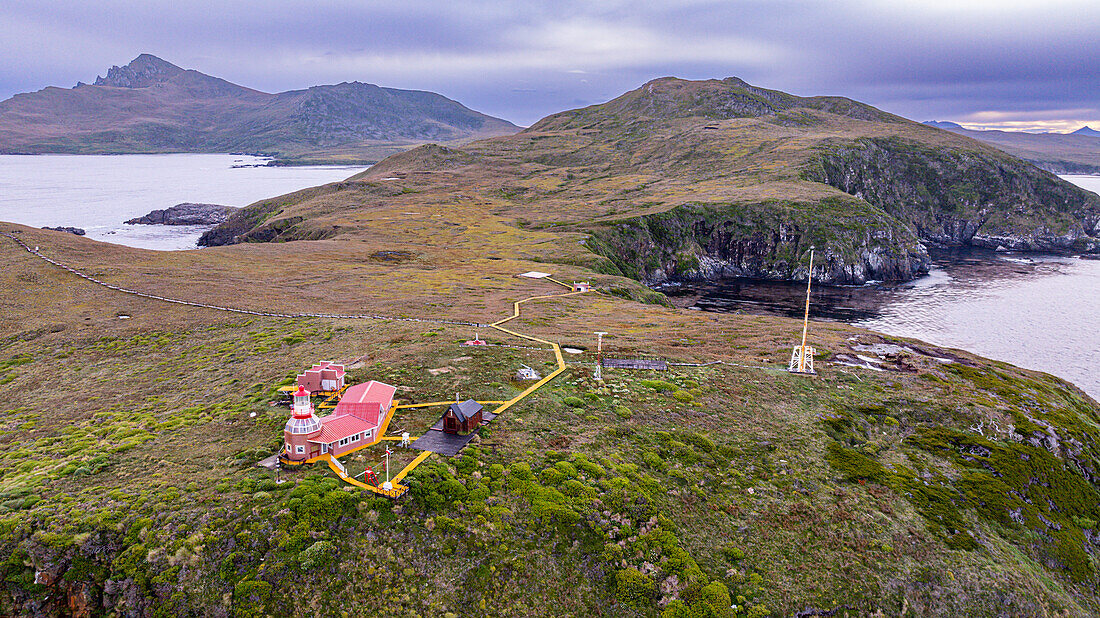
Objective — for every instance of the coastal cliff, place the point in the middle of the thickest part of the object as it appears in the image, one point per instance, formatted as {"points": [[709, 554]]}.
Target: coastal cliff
{"points": [[962, 197], [763, 241]]}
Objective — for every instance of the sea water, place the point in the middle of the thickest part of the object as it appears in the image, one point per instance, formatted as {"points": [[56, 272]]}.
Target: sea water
{"points": [[1041, 312], [99, 193]]}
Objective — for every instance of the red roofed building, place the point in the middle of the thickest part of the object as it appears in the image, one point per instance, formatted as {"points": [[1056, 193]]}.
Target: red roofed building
{"points": [[355, 423], [324, 376]]}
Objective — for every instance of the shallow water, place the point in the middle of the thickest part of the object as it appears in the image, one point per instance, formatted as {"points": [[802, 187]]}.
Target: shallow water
{"points": [[1039, 312], [99, 193], [1035, 311]]}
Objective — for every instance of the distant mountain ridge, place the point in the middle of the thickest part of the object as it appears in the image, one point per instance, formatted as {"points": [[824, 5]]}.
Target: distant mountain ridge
{"points": [[151, 105], [1062, 153], [142, 72]]}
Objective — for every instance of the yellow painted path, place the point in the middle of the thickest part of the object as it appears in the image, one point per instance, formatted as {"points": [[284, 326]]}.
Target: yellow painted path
{"points": [[398, 489], [441, 403]]}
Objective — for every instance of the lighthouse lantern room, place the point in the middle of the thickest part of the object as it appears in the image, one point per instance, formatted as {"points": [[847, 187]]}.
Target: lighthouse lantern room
{"points": [[301, 426]]}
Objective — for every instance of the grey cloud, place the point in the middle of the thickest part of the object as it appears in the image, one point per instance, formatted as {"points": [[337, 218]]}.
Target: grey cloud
{"points": [[523, 60]]}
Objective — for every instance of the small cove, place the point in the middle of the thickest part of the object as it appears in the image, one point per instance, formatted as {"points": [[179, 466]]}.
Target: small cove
{"points": [[99, 192], [1035, 311]]}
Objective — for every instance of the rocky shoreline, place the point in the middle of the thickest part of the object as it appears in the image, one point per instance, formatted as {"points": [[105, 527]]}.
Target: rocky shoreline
{"points": [[79, 231], [187, 213]]}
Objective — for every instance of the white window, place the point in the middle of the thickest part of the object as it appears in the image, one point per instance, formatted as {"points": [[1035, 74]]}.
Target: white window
{"points": [[301, 449]]}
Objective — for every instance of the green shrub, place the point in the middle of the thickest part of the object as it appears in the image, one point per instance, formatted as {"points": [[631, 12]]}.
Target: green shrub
{"points": [[551, 476], [587, 466], [733, 553], [634, 588], [317, 555], [716, 595], [573, 402], [653, 461], [660, 386], [678, 609], [250, 598], [566, 468], [683, 396], [623, 412], [521, 470], [758, 611], [854, 464], [700, 442]]}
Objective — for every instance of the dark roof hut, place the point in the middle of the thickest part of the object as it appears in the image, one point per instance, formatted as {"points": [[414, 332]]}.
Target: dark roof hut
{"points": [[462, 417]]}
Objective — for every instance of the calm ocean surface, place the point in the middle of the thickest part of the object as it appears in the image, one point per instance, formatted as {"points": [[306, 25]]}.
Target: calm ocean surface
{"points": [[99, 193], [1039, 312]]}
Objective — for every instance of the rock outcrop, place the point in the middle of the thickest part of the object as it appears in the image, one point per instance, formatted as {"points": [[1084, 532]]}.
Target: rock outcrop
{"points": [[769, 240], [187, 213], [79, 231], [959, 197]]}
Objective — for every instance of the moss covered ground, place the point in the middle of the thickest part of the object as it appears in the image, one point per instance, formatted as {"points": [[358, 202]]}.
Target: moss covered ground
{"points": [[128, 446]]}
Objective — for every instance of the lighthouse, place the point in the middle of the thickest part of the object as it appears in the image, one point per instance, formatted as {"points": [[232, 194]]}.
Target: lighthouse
{"points": [[302, 426]]}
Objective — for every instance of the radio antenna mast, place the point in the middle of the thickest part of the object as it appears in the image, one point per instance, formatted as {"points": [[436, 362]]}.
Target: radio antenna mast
{"points": [[802, 357]]}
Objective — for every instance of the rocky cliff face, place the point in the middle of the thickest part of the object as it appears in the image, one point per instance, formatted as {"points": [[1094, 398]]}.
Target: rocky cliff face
{"points": [[953, 196], [769, 240], [186, 213]]}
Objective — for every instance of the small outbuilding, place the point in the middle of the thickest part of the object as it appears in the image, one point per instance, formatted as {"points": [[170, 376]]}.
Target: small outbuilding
{"points": [[325, 376], [582, 286], [462, 417]]}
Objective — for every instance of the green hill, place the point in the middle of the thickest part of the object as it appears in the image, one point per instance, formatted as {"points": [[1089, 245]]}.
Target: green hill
{"points": [[151, 105], [697, 180]]}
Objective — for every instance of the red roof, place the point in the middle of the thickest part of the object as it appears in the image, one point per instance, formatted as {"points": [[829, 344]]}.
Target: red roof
{"points": [[301, 392], [368, 392], [339, 369], [360, 409], [369, 411], [335, 428]]}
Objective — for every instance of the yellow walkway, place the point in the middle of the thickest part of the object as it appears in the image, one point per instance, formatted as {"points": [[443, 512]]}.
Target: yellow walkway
{"points": [[398, 489], [441, 403]]}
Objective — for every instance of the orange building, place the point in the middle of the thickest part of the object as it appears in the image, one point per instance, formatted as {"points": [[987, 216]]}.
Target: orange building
{"points": [[355, 422]]}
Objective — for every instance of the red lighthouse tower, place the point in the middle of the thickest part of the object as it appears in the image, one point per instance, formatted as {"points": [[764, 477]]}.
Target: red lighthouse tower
{"points": [[302, 426]]}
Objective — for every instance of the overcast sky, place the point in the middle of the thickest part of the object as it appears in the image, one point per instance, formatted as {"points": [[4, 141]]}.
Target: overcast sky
{"points": [[984, 63]]}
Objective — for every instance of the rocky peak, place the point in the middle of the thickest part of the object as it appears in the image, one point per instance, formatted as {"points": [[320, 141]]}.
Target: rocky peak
{"points": [[142, 72]]}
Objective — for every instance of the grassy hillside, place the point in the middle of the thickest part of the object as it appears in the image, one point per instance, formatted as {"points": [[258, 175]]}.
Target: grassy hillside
{"points": [[151, 106], [752, 178], [945, 484], [948, 485]]}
